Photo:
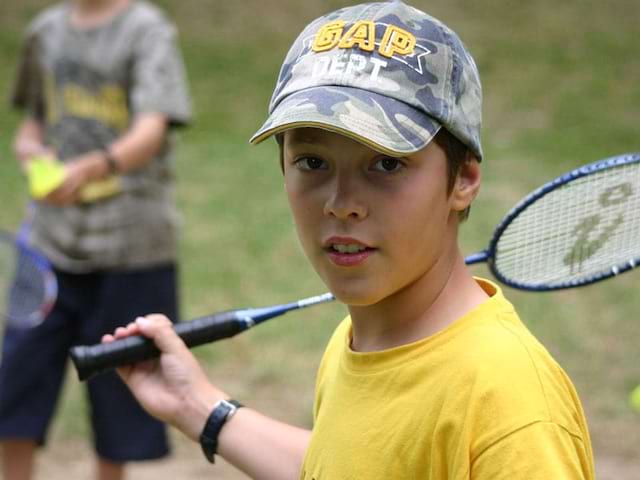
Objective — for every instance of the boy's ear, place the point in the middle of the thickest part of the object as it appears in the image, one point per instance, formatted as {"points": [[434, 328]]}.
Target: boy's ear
{"points": [[467, 185]]}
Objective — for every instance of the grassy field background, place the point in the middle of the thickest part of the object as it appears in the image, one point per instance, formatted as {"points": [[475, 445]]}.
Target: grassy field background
{"points": [[561, 89]]}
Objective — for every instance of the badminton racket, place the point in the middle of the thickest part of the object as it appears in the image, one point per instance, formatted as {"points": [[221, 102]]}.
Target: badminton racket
{"points": [[28, 286], [578, 229]]}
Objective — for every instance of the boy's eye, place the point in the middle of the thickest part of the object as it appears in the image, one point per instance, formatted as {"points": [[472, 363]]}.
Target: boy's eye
{"points": [[388, 164], [310, 163]]}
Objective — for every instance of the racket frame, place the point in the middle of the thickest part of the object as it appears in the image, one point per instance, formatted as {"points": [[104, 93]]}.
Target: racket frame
{"points": [[489, 254], [49, 279]]}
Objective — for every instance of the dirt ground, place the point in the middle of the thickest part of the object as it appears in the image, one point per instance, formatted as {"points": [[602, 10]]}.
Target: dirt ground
{"points": [[71, 460]]}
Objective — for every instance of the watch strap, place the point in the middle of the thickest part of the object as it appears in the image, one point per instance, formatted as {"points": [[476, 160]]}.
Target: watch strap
{"points": [[221, 413]]}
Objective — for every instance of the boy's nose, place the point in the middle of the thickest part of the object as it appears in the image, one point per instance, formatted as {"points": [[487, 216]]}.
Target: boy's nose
{"points": [[344, 201]]}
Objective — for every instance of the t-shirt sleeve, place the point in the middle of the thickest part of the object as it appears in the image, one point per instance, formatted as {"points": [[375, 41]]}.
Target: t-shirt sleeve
{"points": [[159, 77], [539, 451], [28, 88]]}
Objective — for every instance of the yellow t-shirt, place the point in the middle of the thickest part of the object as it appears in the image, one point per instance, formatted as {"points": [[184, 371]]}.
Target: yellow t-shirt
{"points": [[481, 399]]}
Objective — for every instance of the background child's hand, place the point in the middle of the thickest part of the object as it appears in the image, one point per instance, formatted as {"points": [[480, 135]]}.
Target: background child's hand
{"points": [[76, 174]]}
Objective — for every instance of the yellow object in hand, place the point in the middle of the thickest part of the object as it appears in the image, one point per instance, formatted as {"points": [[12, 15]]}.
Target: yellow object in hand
{"points": [[99, 189], [44, 174], [634, 399]]}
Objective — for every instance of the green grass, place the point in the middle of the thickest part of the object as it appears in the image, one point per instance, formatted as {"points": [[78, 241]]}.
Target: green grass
{"points": [[560, 83]]}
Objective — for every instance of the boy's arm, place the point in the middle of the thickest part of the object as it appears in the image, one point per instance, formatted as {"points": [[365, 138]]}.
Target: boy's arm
{"points": [[176, 390], [29, 140], [262, 447], [141, 143], [131, 151]]}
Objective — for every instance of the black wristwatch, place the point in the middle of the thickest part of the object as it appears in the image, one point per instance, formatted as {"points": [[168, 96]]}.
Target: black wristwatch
{"points": [[221, 413], [112, 164]]}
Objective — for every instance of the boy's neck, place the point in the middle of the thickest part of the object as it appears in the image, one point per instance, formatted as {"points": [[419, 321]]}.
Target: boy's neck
{"points": [[92, 13], [419, 310]]}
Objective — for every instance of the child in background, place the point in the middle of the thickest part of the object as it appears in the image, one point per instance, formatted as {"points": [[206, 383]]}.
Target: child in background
{"points": [[377, 112], [102, 84]]}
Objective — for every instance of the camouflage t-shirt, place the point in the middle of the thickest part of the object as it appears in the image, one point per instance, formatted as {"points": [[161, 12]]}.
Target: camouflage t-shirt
{"points": [[86, 86]]}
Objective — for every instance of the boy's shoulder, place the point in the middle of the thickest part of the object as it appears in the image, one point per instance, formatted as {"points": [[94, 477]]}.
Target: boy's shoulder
{"points": [[49, 17], [507, 367], [493, 338], [148, 15]]}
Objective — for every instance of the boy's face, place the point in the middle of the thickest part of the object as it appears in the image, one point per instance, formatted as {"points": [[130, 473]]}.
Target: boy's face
{"points": [[370, 224]]}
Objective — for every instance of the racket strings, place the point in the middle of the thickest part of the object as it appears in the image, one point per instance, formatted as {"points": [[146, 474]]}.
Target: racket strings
{"points": [[586, 228], [23, 286]]}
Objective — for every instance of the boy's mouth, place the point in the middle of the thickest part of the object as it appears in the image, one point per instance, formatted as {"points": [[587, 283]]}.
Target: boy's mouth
{"points": [[347, 252], [347, 248], [345, 245]]}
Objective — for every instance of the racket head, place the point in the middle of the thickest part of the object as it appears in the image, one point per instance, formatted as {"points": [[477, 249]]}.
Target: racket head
{"points": [[578, 229], [28, 286]]}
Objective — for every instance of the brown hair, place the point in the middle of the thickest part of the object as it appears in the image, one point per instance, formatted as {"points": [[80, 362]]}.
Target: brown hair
{"points": [[457, 155]]}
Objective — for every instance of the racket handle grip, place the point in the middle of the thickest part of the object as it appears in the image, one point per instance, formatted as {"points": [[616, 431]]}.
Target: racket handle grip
{"points": [[90, 360]]}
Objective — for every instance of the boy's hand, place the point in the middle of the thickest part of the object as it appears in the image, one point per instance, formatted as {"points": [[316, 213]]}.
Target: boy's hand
{"points": [[173, 388], [76, 175], [78, 172]]}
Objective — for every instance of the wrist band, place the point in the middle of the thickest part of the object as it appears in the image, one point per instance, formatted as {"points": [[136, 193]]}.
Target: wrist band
{"points": [[221, 413], [112, 165]]}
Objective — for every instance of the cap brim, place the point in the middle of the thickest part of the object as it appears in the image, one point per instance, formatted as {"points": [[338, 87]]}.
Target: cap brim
{"points": [[380, 122]]}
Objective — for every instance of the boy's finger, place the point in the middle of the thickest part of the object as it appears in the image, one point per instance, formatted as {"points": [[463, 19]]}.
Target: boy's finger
{"points": [[120, 332], [160, 330]]}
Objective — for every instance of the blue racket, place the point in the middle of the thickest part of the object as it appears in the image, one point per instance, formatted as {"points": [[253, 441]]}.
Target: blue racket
{"points": [[580, 228], [28, 286]]}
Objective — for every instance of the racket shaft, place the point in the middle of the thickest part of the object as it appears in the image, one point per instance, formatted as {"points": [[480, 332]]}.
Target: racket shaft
{"points": [[91, 360]]}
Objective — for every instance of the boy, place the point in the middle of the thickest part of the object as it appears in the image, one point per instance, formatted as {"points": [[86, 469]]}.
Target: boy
{"points": [[101, 83], [432, 375]]}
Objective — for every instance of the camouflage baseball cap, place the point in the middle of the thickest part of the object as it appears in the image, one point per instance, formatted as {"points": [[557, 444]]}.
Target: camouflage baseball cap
{"points": [[384, 74]]}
